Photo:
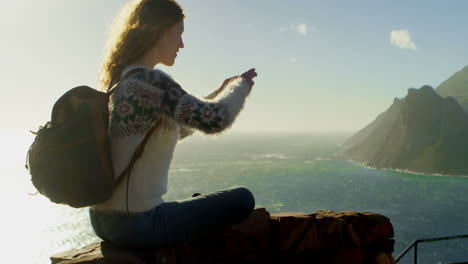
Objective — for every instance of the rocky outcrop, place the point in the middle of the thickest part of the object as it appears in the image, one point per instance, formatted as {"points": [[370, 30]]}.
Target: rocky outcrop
{"points": [[424, 133], [321, 237]]}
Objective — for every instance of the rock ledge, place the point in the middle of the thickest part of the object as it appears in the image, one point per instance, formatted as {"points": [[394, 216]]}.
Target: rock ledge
{"points": [[322, 237]]}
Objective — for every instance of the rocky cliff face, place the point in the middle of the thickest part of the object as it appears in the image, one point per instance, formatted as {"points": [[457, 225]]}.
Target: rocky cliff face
{"points": [[424, 133], [324, 237]]}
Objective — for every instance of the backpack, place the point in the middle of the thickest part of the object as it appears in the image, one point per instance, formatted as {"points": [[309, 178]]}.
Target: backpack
{"points": [[69, 160]]}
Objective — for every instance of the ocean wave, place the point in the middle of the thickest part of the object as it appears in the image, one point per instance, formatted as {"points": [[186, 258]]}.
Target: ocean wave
{"points": [[269, 156], [183, 170]]}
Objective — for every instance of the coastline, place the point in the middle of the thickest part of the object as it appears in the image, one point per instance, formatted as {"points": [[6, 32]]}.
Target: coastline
{"points": [[366, 165]]}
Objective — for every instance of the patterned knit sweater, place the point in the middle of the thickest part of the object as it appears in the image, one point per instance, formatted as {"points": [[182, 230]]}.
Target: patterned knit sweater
{"points": [[135, 106]]}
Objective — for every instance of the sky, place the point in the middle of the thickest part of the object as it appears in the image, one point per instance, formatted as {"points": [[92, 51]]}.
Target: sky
{"points": [[323, 66]]}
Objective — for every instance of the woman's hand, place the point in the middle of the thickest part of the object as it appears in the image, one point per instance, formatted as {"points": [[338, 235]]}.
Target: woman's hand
{"points": [[249, 75]]}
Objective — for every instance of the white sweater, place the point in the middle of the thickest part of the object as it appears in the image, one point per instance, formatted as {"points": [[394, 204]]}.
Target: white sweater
{"points": [[135, 106]]}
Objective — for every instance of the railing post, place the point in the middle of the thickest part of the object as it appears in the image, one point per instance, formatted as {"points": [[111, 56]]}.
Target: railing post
{"points": [[415, 260], [415, 245]]}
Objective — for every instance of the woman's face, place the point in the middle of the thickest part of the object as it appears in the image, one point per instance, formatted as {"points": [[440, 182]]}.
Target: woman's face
{"points": [[167, 47]]}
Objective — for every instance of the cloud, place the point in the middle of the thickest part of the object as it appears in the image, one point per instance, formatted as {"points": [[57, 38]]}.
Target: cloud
{"points": [[292, 59], [300, 28], [402, 39]]}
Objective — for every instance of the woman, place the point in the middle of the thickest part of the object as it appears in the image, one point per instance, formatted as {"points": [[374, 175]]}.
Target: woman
{"points": [[136, 215]]}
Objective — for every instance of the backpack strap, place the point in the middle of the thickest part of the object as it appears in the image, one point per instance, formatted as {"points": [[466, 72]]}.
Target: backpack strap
{"points": [[139, 150], [113, 84], [141, 147], [136, 155]]}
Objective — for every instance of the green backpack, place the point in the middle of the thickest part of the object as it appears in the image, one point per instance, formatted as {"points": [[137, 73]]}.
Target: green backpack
{"points": [[69, 160]]}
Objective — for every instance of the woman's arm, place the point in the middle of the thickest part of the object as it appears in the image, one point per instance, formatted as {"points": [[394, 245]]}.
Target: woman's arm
{"points": [[186, 131], [208, 116], [248, 75], [140, 100], [218, 91]]}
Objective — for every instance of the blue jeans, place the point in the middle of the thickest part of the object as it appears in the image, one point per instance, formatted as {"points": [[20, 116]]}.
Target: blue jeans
{"points": [[174, 222]]}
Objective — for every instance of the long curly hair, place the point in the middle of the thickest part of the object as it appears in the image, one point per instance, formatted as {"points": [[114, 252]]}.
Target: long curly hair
{"points": [[139, 26]]}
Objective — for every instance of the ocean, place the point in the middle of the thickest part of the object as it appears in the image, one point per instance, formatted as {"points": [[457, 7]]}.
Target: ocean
{"points": [[285, 172]]}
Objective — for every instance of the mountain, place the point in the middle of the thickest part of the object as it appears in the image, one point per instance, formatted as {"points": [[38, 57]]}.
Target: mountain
{"points": [[424, 132], [457, 87], [380, 122]]}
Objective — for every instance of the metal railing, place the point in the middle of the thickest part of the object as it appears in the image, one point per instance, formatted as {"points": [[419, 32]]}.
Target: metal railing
{"points": [[416, 242]]}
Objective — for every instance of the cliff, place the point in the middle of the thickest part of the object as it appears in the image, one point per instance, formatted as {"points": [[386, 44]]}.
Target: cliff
{"points": [[322, 237], [423, 133]]}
